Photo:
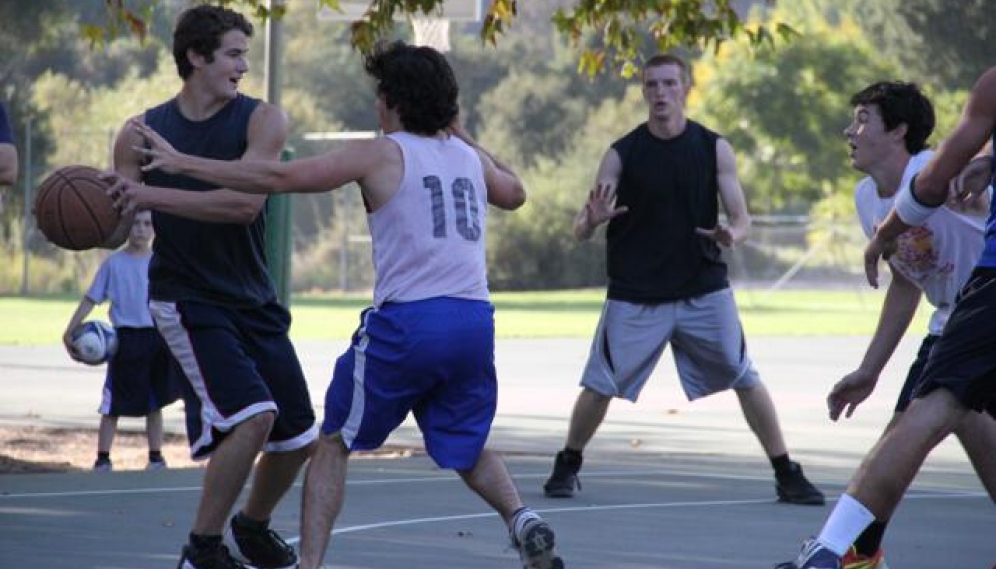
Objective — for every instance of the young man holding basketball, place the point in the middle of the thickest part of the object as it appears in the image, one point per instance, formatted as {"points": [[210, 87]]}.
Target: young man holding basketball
{"points": [[888, 140], [427, 344], [212, 298], [959, 376], [658, 188], [140, 379]]}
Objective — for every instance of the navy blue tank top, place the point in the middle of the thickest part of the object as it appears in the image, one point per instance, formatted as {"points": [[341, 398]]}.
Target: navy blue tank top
{"points": [[670, 187], [220, 263]]}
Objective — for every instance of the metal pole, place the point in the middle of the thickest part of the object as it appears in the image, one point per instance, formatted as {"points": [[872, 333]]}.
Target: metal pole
{"points": [[344, 255], [279, 208], [26, 229]]}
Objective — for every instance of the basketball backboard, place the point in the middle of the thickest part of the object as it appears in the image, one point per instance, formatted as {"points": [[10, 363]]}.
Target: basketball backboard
{"points": [[452, 10]]}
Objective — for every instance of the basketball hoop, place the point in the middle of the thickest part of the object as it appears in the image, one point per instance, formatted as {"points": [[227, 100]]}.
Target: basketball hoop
{"points": [[432, 29], [432, 32]]}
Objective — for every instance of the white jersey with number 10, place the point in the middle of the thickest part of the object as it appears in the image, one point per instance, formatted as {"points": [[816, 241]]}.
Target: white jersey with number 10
{"points": [[429, 238]]}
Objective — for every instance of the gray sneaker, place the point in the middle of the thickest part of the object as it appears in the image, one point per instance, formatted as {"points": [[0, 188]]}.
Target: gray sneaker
{"points": [[534, 540], [814, 555]]}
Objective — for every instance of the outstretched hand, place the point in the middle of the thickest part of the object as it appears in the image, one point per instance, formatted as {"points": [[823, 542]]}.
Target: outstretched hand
{"points": [[157, 153], [601, 204]]}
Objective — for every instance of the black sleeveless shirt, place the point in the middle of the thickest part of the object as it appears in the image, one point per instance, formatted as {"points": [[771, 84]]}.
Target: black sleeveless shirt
{"points": [[670, 187], [219, 263]]}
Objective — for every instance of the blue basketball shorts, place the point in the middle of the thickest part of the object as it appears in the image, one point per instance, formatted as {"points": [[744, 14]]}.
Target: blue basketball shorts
{"points": [[433, 358], [238, 362]]}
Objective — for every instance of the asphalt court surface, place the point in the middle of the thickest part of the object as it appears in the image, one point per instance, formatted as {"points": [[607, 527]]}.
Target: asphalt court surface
{"points": [[666, 484]]}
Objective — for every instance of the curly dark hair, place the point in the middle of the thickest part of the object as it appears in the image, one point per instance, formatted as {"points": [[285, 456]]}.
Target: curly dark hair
{"points": [[901, 103], [200, 28], [416, 81]]}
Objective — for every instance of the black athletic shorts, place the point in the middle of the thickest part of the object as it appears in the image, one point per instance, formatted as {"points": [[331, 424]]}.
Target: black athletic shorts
{"points": [[915, 374], [141, 377], [963, 360]]}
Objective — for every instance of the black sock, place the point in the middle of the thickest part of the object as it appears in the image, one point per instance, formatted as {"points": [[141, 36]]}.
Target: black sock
{"points": [[204, 542], [573, 456], [249, 524], [155, 456], [103, 456], [870, 540], [781, 464]]}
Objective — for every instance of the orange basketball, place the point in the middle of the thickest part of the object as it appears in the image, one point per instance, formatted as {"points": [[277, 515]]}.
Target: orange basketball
{"points": [[73, 210]]}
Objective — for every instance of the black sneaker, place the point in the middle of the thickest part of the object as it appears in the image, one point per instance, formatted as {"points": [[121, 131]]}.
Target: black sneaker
{"points": [[262, 549], [218, 558], [564, 478], [793, 488]]}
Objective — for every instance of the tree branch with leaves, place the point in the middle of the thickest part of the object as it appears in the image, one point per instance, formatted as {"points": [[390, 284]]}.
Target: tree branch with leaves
{"points": [[611, 34]]}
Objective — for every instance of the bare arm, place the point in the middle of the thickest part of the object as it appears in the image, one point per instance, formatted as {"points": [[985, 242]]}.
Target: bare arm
{"points": [[732, 197], [83, 310], [505, 189], [267, 133], [600, 206], [355, 162], [898, 309]]}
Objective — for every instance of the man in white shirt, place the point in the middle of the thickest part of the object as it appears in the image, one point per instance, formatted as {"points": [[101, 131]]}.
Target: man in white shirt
{"points": [[887, 137]]}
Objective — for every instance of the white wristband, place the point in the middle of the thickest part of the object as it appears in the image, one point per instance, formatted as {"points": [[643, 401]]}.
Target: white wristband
{"points": [[911, 211]]}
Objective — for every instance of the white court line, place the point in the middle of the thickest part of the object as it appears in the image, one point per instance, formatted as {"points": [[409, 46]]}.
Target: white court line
{"points": [[621, 474], [916, 495], [601, 508], [415, 480]]}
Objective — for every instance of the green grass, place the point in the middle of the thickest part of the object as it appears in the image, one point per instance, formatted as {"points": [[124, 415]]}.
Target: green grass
{"points": [[568, 314]]}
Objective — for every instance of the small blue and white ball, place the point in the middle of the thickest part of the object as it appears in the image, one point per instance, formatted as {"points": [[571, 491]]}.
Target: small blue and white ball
{"points": [[95, 342]]}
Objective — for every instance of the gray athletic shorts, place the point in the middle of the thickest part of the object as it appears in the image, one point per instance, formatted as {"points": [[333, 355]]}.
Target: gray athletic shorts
{"points": [[706, 339]]}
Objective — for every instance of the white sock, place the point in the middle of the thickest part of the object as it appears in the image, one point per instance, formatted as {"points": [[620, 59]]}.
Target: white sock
{"points": [[521, 517], [846, 522]]}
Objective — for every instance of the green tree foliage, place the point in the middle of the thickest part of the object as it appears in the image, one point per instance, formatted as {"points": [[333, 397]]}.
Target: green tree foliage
{"points": [[42, 37], [784, 110], [938, 42], [530, 116], [534, 248], [610, 33]]}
